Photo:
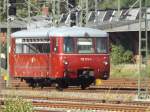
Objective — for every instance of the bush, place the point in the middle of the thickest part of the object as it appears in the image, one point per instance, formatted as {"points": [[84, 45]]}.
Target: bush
{"points": [[128, 57], [116, 54], [119, 55], [17, 105]]}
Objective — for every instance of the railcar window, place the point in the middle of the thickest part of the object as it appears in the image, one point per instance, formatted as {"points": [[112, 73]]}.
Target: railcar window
{"points": [[85, 45], [32, 45], [101, 45], [68, 45]]}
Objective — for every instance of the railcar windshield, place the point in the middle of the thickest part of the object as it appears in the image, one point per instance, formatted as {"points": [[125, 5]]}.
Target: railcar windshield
{"points": [[85, 45], [101, 45], [31, 45]]}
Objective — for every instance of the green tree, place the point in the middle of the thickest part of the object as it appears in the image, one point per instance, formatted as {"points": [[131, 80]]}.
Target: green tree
{"points": [[128, 57], [2, 11], [119, 55]]}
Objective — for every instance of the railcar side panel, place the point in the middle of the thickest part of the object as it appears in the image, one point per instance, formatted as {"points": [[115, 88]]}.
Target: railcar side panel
{"points": [[31, 65]]}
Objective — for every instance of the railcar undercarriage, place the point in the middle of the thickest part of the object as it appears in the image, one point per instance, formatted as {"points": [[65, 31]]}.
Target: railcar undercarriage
{"points": [[84, 80]]}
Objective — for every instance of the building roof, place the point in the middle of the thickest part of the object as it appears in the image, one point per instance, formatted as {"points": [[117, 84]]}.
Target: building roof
{"points": [[102, 19], [36, 21], [14, 24]]}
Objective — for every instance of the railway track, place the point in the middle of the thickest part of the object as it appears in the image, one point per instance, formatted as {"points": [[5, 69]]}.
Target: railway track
{"points": [[117, 86], [110, 84], [44, 104], [78, 90], [106, 107], [120, 86]]}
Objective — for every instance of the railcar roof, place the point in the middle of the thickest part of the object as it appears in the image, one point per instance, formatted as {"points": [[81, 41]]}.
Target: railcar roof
{"points": [[40, 32], [60, 32]]}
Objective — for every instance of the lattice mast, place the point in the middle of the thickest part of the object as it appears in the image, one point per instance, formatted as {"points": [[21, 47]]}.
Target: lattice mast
{"points": [[143, 51]]}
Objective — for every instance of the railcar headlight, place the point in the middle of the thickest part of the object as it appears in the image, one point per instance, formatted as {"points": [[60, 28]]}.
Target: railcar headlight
{"points": [[65, 62], [105, 63]]}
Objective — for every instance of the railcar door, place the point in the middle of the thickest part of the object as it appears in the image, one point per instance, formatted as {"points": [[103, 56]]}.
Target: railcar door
{"points": [[32, 57], [56, 58]]}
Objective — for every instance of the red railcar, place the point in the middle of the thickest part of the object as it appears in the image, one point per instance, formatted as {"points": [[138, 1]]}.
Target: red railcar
{"points": [[63, 55]]}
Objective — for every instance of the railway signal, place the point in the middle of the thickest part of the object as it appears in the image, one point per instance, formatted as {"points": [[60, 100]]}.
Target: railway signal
{"points": [[12, 7]]}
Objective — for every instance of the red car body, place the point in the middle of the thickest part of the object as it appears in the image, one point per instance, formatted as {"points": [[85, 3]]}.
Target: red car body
{"points": [[57, 64]]}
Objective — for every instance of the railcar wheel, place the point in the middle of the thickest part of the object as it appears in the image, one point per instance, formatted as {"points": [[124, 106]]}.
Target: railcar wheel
{"points": [[83, 86], [83, 83], [59, 88], [33, 85], [86, 82], [60, 85]]}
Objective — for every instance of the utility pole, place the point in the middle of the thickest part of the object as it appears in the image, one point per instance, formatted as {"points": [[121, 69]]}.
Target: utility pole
{"points": [[84, 12], [56, 11], [0, 65], [0, 43], [0, 58], [81, 12], [96, 11], [146, 43], [11, 11], [146, 30], [29, 12], [140, 60], [87, 10], [8, 42], [143, 53], [118, 13]]}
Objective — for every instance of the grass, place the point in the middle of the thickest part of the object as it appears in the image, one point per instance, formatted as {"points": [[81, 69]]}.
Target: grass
{"points": [[129, 71], [17, 104]]}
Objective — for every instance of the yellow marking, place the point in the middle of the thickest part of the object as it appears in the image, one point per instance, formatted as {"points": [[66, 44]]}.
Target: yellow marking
{"points": [[5, 77], [98, 82]]}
